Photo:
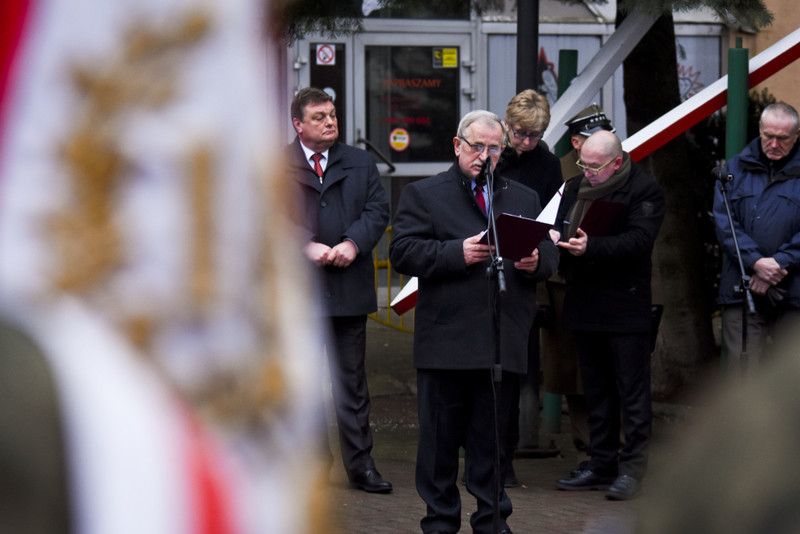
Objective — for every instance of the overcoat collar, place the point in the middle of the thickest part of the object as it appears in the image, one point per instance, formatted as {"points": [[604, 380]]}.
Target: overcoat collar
{"points": [[306, 175]]}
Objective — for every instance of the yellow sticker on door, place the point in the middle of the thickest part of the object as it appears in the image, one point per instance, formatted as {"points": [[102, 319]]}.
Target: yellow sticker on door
{"points": [[399, 139]]}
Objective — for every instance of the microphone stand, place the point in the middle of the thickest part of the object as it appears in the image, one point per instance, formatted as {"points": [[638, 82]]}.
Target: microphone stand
{"points": [[495, 270], [744, 285], [496, 267]]}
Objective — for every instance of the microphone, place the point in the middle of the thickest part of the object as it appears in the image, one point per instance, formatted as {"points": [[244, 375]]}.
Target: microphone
{"points": [[486, 170], [719, 174]]}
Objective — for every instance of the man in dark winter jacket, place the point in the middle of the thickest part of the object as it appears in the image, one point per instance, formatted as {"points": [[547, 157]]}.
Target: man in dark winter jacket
{"points": [[764, 198], [470, 344], [607, 305]]}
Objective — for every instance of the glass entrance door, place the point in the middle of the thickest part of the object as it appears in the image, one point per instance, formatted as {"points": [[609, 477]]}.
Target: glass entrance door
{"points": [[398, 93], [411, 90]]}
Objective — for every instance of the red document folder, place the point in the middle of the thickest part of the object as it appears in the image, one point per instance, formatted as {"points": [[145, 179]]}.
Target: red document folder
{"points": [[518, 235], [601, 217]]}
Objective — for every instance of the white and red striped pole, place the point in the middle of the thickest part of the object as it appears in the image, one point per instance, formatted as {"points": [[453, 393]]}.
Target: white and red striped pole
{"points": [[712, 98]]}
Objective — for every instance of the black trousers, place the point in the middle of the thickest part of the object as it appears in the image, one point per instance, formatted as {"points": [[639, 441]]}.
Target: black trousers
{"points": [[615, 368], [457, 409], [346, 355]]}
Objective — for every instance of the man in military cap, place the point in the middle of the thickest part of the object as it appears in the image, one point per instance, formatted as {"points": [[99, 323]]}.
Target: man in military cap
{"points": [[581, 126]]}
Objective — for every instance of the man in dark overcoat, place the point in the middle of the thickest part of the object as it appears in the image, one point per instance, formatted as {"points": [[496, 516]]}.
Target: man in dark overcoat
{"points": [[608, 307], [470, 344], [344, 212]]}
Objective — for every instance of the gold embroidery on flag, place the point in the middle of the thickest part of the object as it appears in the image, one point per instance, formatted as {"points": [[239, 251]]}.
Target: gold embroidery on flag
{"points": [[88, 243]]}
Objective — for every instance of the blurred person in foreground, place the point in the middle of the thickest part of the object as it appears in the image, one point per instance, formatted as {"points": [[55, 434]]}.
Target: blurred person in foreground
{"points": [[345, 211], [461, 398], [143, 389], [731, 470], [527, 160], [763, 197], [607, 306]]}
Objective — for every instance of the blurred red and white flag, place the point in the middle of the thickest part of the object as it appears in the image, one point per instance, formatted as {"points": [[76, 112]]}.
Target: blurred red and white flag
{"points": [[137, 139]]}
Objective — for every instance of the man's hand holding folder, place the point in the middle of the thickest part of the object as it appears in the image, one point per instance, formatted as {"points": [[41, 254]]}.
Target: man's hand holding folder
{"points": [[600, 220]]}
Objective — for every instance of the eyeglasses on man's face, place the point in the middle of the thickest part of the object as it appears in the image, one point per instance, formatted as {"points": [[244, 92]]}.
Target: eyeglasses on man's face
{"points": [[774, 137], [593, 171], [494, 150], [520, 136]]}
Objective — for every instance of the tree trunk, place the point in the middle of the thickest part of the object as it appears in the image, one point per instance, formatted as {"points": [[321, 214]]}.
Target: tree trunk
{"points": [[685, 339]]}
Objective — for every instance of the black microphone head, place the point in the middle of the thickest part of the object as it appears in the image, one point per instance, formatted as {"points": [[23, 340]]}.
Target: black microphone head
{"points": [[719, 173], [486, 170]]}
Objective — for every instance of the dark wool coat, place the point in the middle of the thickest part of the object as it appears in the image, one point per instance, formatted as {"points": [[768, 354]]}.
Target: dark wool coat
{"points": [[350, 204], [538, 169], [453, 326], [608, 287]]}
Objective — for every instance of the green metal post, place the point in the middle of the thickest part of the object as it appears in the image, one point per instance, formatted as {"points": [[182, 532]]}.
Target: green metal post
{"points": [[736, 124], [738, 81], [567, 70], [551, 413]]}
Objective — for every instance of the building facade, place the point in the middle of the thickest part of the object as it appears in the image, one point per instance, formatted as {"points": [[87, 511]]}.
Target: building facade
{"points": [[402, 84]]}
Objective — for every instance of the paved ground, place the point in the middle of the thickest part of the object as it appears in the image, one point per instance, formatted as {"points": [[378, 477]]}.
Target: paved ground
{"points": [[538, 506]]}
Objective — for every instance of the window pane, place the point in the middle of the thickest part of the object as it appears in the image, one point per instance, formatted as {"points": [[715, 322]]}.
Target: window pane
{"points": [[412, 101]]}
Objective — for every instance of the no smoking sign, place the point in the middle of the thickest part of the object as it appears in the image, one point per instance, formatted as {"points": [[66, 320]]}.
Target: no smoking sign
{"points": [[326, 54]]}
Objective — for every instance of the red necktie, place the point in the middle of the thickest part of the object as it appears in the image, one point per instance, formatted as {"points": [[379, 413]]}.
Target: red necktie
{"points": [[479, 197], [317, 167]]}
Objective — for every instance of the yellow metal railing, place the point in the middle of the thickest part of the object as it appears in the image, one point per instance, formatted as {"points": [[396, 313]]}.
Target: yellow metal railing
{"points": [[387, 285]]}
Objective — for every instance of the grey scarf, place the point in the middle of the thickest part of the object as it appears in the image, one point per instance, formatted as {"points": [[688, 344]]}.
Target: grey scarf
{"points": [[587, 193]]}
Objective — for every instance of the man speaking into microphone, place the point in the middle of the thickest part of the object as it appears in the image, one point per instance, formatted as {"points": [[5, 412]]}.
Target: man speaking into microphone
{"points": [[463, 327], [764, 198]]}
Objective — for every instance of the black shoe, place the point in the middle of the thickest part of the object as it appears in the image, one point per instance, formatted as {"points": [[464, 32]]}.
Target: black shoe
{"points": [[581, 467], [625, 487], [585, 480], [371, 482], [506, 531]]}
